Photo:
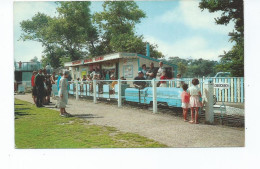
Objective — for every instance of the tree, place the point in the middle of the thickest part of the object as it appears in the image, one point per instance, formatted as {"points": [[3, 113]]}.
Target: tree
{"points": [[232, 10], [116, 24], [34, 59], [73, 29], [71, 33], [182, 68]]}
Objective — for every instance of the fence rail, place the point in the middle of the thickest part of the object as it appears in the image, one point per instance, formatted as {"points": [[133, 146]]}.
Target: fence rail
{"points": [[234, 94]]}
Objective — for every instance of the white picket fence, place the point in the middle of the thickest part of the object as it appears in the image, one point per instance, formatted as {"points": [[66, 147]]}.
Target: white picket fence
{"points": [[235, 94]]}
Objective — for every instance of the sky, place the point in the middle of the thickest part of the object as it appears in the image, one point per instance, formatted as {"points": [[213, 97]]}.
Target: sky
{"points": [[179, 28]]}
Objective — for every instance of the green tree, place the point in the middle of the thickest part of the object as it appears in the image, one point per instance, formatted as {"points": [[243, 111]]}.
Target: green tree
{"points": [[232, 10], [116, 25], [182, 68], [71, 33], [73, 29]]}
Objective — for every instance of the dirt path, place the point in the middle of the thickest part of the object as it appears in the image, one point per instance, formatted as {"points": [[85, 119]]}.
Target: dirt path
{"points": [[164, 128]]}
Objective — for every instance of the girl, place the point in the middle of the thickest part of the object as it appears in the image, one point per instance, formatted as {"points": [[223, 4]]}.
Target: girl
{"points": [[163, 77], [185, 99], [195, 95]]}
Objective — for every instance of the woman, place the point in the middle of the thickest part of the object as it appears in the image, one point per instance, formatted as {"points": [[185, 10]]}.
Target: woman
{"points": [[63, 94]]}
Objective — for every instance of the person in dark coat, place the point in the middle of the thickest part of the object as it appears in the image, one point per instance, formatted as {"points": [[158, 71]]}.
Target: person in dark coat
{"points": [[39, 78]]}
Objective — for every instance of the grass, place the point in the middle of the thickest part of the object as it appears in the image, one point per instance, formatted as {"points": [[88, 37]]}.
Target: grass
{"points": [[44, 128]]}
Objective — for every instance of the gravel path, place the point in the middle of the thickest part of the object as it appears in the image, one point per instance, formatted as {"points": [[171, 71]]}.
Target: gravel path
{"points": [[165, 128]]}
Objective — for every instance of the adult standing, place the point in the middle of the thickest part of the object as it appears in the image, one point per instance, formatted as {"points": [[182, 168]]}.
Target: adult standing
{"points": [[39, 78], [160, 70], [63, 94], [144, 70], [151, 73], [58, 80], [53, 78], [34, 92], [49, 88]]}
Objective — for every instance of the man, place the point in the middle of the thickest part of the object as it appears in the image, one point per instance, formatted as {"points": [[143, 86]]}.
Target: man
{"points": [[139, 83], [39, 78], [151, 73], [160, 70], [34, 92]]}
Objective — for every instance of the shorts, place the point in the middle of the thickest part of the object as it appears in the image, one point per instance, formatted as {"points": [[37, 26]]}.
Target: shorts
{"points": [[185, 105]]}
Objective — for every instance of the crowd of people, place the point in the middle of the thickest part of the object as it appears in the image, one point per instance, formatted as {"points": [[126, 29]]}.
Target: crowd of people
{"points": [[41, 87], [154, 73]]}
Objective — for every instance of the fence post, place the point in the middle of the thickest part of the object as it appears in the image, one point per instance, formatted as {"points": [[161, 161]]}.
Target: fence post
{"points": [[119, 94], [94, 91], [154, 96], [77, 90], [208, 98]]}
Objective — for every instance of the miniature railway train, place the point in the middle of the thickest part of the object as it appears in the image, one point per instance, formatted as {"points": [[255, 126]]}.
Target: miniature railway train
{"points": [[170, 96]]}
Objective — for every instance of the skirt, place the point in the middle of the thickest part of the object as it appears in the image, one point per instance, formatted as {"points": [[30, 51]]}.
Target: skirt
{"points": [[195, 101], [185, 105], [62, 102], [34, 91]]}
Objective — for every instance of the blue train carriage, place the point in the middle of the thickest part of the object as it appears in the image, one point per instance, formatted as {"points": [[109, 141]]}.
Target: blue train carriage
{"points": [[170, 96]]}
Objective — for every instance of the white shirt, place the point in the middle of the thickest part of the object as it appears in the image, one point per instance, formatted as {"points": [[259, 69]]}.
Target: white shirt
{"points": [[194, 90], [160, 71]]}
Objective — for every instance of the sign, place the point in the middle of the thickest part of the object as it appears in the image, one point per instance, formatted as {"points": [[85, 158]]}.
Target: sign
{"points": [[222, 85], [99, 58], [78, 62], [128, 61], [88, 60], [128, 71]]}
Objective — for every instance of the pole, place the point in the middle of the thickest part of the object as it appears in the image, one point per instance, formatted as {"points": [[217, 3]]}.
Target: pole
{"points": [[119, 94], [208, 93], [77, 90], [94, 91], [154, 96]]}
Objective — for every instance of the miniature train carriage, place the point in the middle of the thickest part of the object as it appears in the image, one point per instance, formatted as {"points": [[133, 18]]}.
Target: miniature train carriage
{"points": [[170, 96]]}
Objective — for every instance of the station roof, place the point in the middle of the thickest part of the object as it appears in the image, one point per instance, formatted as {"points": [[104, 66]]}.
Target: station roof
{"points": [[112, 56]]}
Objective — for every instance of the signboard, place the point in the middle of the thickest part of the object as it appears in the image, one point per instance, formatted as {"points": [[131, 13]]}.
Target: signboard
{"points": [[77, 62], [222, 85], [128, 61], [128, 71]]}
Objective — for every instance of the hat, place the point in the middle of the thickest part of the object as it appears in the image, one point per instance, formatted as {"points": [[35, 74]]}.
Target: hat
{"points": [[140, 72], [66, 72]]}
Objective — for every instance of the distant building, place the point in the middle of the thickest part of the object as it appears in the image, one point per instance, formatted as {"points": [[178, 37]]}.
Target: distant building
{"points": [[23, 73], [120, 64]]}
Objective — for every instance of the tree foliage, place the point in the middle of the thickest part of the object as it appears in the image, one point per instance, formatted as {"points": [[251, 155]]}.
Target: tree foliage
{"points": [[117, 24], [232, 10], [194, 67]]}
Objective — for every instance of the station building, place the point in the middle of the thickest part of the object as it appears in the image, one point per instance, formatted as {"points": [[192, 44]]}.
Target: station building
{"points": [[120, 64]]}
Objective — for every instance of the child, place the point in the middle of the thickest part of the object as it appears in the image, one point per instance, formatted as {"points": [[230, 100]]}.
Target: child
{"points": [[163, 77], [195, 95], [185, 99], [179, 83]]}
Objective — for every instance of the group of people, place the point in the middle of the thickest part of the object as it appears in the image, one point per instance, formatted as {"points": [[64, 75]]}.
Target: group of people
{"points": [[152, 73], [41, 87], [191, 98]]}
